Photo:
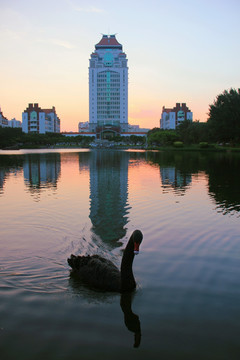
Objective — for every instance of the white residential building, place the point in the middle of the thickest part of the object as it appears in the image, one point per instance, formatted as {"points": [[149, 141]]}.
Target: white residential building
{"points": [[41, 121], [14, 123], [171, 118], [3, 120]]}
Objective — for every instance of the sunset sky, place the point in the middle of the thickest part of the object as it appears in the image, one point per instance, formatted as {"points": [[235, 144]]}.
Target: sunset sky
{"points": [[178, 51]]}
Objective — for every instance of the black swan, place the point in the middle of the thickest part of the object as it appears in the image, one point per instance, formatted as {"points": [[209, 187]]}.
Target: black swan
{"points": [[102, 274]]}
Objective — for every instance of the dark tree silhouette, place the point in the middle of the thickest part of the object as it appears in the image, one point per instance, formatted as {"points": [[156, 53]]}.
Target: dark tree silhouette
{"points": [[224, 117]]}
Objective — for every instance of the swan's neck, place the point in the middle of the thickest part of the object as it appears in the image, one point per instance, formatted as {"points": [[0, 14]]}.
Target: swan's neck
{"points": [[127, 279]]}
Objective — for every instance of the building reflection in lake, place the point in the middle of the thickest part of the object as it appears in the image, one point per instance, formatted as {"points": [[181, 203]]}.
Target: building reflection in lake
{"points": [[108, 171], [3, 176], [41, 171], [175, 170], [172, 178], [109, 194], [4, 173], [9, 165]]}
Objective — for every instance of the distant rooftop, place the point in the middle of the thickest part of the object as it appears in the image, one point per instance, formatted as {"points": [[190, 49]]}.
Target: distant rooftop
{"points": [[108, 42]]}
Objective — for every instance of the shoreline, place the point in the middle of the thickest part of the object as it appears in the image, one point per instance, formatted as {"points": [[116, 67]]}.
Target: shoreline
{"points": [[193, 148]]}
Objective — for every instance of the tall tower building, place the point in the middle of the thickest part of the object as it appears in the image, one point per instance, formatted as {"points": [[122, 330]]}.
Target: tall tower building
{"points": [[108, 88]]}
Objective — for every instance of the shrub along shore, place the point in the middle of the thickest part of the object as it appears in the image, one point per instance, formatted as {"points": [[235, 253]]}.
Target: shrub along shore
{"points": [[161, 140]]}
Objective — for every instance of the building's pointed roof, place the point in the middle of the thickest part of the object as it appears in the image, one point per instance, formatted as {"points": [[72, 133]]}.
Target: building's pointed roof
{"points": [[108, 42]]}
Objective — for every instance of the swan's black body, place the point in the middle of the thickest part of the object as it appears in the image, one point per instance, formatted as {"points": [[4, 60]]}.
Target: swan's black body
{"points": [[100, 273]]}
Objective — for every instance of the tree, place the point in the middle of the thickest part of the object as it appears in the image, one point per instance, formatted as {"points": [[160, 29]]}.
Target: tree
{"points": [[224, 117], [134, 139], [160, 137], [9, 136], [155, 129], [193, 132]]}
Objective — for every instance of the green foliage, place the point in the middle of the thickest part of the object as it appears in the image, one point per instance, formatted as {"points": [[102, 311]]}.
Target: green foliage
{"points": [[15, 137], [161, 137], [178, 144], [187, 132], [135, 139], [203, 144], [224, 117], [150, 132], [9, 136], [118, 138], [193, 132]]}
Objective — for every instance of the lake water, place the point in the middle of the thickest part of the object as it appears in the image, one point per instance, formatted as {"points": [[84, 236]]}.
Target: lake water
{"points": [[58, 202]]}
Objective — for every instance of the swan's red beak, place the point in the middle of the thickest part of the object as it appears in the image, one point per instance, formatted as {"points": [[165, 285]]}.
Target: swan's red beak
{"points": [[136, 248]]}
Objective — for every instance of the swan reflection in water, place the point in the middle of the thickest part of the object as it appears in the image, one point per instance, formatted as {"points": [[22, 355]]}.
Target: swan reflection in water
{"points": [[131, 320], [101, 274]]}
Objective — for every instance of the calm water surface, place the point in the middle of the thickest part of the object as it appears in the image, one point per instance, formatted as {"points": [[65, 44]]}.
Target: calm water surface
{"points": [[54, 203]]}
